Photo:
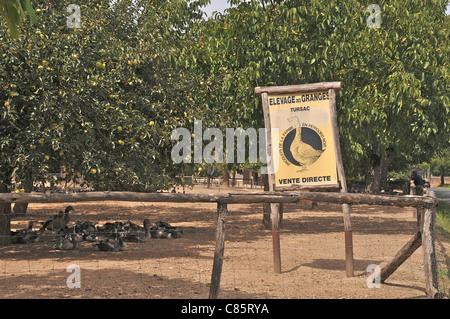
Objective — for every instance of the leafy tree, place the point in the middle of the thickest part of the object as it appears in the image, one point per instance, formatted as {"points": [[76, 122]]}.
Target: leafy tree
{"points": [[400, 110], [441, 165], [97, 102], [394, 102]]}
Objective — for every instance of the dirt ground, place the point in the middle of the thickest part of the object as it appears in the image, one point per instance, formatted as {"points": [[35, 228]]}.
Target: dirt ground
{"points": [[312, 253]]}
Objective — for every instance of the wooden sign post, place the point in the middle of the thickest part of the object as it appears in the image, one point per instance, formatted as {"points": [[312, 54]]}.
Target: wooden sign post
{"points": [[303, 149]]}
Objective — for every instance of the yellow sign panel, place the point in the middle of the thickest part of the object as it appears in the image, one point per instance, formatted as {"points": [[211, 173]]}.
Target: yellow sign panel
{"points": [[304, 141]]}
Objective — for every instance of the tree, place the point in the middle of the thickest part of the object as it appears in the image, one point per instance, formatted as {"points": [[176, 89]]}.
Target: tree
{"points": [[442, 165], [400, 108], [98, 102], [394, 102]]}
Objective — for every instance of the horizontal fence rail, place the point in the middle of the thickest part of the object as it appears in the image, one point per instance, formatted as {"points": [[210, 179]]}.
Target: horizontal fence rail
{"points": [[229, 198]]}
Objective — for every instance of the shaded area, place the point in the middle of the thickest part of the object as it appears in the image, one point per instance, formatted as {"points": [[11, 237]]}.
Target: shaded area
{"points": [[337, 264], [109, 283]]}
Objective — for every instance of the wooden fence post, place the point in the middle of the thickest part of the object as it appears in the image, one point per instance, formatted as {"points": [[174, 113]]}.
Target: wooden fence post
{"points": [[428, 228], [219, 251], [275, 218], [274, 207], [348, 233]]}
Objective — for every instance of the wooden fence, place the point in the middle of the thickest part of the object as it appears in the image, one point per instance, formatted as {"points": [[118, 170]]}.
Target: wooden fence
{"points": [[424, 237]]}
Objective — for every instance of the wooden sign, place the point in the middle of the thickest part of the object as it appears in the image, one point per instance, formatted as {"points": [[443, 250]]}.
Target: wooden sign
{"points": [[303, 149], [304, 140]]}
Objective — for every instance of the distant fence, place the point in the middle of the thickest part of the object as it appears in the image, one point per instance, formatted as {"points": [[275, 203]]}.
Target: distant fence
{"points": [[424, 237], [238, 181]]}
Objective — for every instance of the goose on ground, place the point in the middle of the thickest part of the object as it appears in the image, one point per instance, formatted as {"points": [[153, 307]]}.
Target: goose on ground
{"points": [[163, 229], [85, 227], [111, 245], [157, 233], [131, 227], [71, 231], [172, 233], [111, 229], [66, 214], [31, 235], [139, 235], [53, 223], [82, 230], [77, 235], [105, 245], [93, 237], [56, 222], [66, 243], [24, 236], [121, 246]]}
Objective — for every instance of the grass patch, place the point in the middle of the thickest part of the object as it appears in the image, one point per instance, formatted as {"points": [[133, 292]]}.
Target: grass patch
{"points": [[444, 186], [443, 236], [443, 219]]}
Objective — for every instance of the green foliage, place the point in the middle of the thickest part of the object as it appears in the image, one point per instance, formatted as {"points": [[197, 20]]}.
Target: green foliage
{"points": [[14, 12], [441, 161], [98, 102], [443, 218], [443, 232], [395, 78], [102, 100], [440, 165]]}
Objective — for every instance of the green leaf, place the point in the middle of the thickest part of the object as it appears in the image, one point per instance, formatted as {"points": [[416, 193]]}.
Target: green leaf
{"points": [[26, 5]]}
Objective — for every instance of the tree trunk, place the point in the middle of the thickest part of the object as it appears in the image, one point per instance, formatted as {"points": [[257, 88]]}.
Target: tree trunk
{"points": [[20, 209], [377, 168], [233, 181], [442, 175], [373, 179], [5, 219], [384, 170], [225, 176]]}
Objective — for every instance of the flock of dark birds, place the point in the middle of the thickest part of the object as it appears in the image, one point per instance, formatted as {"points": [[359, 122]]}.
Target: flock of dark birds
{"points": [[108, 237]]}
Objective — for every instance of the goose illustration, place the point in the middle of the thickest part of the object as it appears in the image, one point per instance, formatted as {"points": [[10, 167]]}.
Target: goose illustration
{"points": [[303, 153]]}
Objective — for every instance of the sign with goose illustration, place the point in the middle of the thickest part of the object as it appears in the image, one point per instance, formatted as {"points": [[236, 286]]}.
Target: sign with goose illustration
{"points": [[304, 142], [303, 149]]}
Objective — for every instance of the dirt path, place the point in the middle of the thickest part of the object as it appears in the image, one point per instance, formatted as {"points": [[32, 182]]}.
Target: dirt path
{"points": [[312, 246]]}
